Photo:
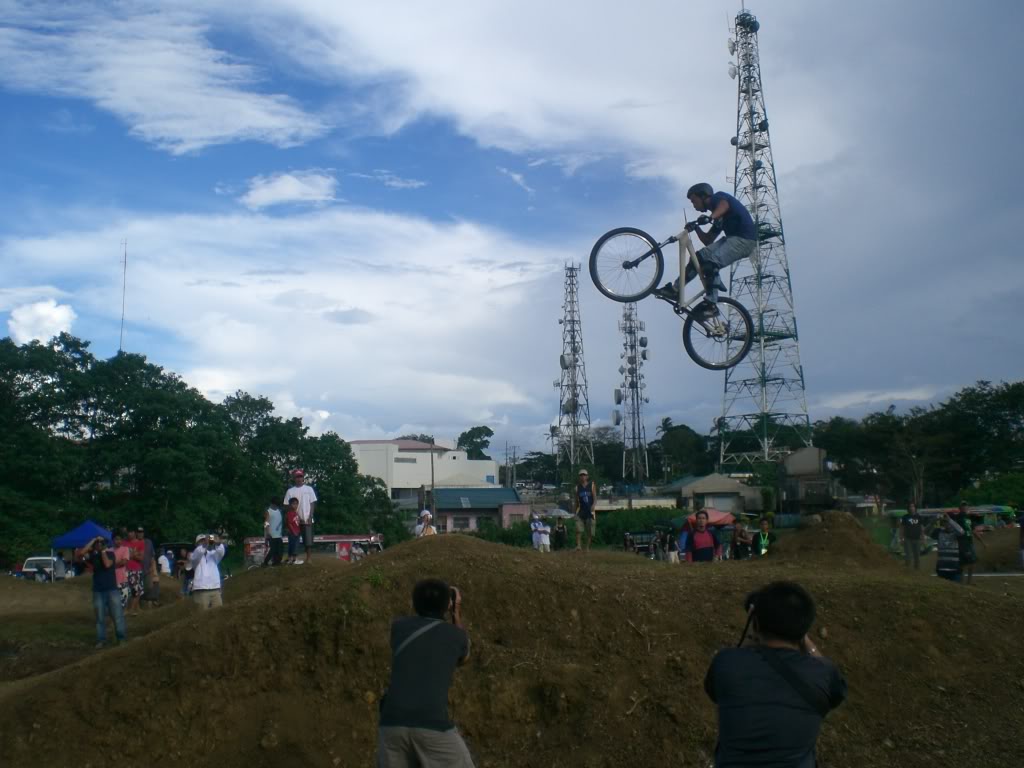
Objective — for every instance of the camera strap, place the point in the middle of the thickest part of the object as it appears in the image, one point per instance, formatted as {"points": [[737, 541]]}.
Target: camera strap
{"points": [[796, 682], [421, 631]]}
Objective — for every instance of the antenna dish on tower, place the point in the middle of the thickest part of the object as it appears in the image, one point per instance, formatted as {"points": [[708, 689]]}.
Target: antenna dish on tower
{"points": [[616, 418], [733, 71], [731, 45]]}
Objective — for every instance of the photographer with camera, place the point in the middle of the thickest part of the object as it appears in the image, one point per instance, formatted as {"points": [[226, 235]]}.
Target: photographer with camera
{"points": [[425, 650], [106, 596], [205, 558], [773, 696]]}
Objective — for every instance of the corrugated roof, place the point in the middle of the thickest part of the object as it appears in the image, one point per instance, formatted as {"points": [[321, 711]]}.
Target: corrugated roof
{"points": [[474, 498]]}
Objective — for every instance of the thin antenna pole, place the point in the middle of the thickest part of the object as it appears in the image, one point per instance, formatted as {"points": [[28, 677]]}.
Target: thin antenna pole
{"points": [[124, 289]]}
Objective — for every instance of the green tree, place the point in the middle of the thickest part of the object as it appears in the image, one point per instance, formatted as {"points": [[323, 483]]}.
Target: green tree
{"points": [[475, 441], [420, 438]]}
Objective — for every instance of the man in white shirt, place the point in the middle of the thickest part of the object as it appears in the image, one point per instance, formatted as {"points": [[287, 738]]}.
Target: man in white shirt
{"points": [[541, 533], [164, 564], [307, 508], [205, 557]]}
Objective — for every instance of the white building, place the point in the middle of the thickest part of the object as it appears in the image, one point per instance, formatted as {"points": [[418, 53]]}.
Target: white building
{"points": [[404, 466]]}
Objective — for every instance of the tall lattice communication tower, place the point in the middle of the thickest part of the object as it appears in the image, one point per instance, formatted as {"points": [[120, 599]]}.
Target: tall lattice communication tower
{"points": [[575, 446], [632, 397], [764, 407]]}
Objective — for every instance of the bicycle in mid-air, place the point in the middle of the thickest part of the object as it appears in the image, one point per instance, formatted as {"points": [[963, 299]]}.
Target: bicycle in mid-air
{"points": [[626, 264]]}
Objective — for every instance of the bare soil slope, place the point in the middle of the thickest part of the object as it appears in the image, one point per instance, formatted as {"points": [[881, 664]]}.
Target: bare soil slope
{"points": [[579, 660]]}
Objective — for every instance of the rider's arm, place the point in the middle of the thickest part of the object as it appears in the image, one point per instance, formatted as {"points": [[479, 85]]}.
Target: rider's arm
{"points": [[712, 234]]}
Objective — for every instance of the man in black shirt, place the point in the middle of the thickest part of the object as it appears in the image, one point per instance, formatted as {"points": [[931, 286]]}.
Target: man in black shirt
{"points": [[911, 527], [425, 650], [772, 697], [106, 597]]}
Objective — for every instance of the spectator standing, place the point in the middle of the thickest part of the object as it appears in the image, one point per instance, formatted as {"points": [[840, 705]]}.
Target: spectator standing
{"points": [[307, 509], [583, 505], [122, 555], [148, 565], [415, 728], [291, 521], [672, 546], [106, 597], [968, 557], [949, 563], [1020, 525], [703, 545], [541, 533], [273, 527], [185, 572], [136, 582], [424, 515], [561, 535], [910, 530], [742, 542], [773, 697], [151, 595], [764, 539], [427, 527], [205, 560]]}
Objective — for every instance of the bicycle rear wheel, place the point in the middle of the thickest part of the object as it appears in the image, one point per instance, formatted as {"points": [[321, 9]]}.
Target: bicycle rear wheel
{"points": [[612, 265], [722, 341]]}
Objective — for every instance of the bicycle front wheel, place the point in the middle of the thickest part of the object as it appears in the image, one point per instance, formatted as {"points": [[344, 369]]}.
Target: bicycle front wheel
{"points": [[626, 264], [721, 341]]}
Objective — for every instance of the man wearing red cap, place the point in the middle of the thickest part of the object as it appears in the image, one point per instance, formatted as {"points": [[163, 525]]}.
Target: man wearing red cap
{"points": [[307, 508]]}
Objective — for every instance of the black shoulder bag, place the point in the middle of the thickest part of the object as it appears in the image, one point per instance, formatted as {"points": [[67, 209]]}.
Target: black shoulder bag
{"points": [[795, 681]]}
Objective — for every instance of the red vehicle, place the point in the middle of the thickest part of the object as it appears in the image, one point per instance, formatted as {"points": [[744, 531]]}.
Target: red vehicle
{"points": [[349, 547]]}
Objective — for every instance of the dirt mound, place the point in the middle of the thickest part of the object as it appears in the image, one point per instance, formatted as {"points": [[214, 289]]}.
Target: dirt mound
{"points": [[579, 660], [838, 539]]}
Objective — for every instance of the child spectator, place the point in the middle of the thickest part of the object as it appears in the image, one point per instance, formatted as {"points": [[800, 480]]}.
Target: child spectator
{"points": [[291, 521]]}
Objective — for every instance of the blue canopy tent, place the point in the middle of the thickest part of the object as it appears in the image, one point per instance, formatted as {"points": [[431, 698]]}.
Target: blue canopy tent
{"points": [[77, 538], [81, 536]]}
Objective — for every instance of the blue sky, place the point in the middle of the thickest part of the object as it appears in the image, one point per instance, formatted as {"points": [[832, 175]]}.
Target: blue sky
{"points": [[363, 213]]}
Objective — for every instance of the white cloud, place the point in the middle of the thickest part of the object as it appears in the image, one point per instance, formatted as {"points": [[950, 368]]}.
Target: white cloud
{"points": [[153, 68], [864, 398], [363, 315], [388, 179], [40, 321], [309, 187], [508, 81], [518, 179]]}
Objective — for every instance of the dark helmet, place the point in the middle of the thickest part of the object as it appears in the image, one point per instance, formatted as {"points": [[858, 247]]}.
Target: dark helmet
{"points": [[700, 190]]}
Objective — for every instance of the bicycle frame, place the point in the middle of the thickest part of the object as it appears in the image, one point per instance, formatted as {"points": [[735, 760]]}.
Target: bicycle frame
{"points": [[687, 253]]}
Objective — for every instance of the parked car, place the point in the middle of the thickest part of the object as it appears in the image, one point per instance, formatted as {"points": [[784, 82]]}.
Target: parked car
{"points": [[40, 567]]}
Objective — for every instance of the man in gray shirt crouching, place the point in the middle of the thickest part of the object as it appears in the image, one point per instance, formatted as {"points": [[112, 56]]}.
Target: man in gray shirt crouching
{"points": [[425, 650]]}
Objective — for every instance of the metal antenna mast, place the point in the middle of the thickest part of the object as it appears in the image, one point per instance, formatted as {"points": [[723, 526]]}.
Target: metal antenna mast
{"points": [[124, 291], [631, 396], [575, 446], [764, 406]]}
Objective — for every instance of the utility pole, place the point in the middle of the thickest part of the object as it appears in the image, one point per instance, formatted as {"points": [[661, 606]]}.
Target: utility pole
{"points": [[433, 499], [124, 291]]}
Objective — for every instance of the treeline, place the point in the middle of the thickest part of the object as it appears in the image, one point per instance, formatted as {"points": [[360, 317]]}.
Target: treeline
{"points": [[970, 446], [124, 442]]}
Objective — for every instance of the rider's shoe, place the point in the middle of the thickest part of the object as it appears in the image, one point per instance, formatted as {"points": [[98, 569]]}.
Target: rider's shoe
{"points": [[668, 291], [704, 311]]}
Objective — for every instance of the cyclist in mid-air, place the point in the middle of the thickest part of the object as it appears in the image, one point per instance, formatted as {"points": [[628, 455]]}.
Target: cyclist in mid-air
{"points": [[727, 215]]}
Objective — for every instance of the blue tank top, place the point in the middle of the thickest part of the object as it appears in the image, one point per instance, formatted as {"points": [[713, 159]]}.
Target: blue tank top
{"points": [[586, 499]]}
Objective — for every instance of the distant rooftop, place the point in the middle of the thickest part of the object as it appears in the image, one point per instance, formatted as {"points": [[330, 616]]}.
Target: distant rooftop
{"points": [[403, 445]]}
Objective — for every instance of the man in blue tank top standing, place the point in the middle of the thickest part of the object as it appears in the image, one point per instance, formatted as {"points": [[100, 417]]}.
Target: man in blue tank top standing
{"points": [[583, 503]]}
